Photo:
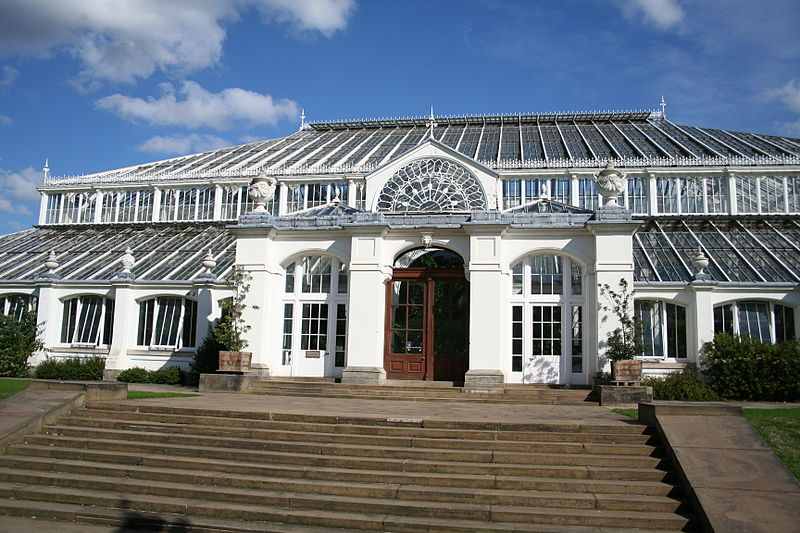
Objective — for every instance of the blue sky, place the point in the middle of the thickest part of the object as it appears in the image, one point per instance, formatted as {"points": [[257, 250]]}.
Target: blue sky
{"points": [[93, 85]]}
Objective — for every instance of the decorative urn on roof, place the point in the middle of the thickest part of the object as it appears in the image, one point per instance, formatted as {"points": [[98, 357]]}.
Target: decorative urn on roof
{"points": [[52, 262], [700, 263], [610, 183], [261, 191], [127, 261]]}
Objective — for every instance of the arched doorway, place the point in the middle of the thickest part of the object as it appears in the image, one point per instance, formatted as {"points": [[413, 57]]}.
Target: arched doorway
{"points": [[427, 317]]}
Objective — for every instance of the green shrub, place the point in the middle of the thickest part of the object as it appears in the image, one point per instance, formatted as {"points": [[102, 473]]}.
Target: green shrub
{"points": [[18, 340], [164, 376], [681, 386], [72, 369], [745, 369], [134, 375]]}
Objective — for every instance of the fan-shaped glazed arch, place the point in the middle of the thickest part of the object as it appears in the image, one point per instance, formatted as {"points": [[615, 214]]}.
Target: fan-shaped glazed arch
{"points": [[432, 185]]}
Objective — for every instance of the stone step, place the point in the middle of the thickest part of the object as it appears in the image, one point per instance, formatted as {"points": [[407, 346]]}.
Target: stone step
{"points": [[138, 407], [562, 432], [422, 398], [550, 444], [72, 448], [509, 518], [270, 476], [586, 454], [407, 500]]}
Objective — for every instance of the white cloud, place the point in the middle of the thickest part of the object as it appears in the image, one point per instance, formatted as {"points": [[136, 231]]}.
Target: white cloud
{"points": [[16, 187], [5, 120], [192, 106], [789, 95], [8, 75], [182, 144], [122, 41], [663, 14]]}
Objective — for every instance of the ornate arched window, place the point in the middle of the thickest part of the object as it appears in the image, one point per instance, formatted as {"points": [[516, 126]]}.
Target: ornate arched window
{"points": [[87, 320], [759, 320], [167, 323], [17, 304], [432, 185], [547, 327], [314, 322]]}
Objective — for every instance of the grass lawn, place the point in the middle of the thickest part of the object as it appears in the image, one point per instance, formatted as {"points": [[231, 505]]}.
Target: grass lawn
{"points": [[780, 428], [9, 387], [633, 413], [140, 395]]}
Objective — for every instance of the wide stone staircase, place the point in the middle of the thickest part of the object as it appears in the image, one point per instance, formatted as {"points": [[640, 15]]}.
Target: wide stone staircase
{"points": [[421, 391], [193, 469]]}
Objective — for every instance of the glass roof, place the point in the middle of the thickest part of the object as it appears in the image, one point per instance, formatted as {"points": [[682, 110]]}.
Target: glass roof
{"points": [[162, 252]]}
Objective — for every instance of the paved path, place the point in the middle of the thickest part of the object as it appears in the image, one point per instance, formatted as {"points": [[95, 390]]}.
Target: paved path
{"points": [[23, 407], [451, 410]]}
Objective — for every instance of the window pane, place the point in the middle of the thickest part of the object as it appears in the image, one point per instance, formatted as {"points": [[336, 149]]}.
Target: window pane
{"points": [[723, 319], [516, 279], [577, 339]]}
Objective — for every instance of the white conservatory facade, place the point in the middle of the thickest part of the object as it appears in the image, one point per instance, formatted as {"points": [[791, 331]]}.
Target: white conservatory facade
{"points": [[464, 249]]}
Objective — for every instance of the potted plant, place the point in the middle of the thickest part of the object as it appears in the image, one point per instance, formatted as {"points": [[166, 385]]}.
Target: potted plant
{"points": [[230, 329], [624, 343]]}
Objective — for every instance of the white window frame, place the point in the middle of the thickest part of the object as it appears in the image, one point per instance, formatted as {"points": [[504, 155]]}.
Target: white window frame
{"points": [[770, 310], [153, 334], [662, 309], [566, 300], [78, 309]]}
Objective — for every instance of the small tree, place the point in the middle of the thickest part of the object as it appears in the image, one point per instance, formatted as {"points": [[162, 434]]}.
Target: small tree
{"points": [[625, 342], [19, 339], [230, 329]]}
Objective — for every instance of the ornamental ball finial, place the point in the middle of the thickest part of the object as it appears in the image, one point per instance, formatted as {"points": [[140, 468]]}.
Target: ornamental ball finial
{"points": [[52, 262], [209, 262]]}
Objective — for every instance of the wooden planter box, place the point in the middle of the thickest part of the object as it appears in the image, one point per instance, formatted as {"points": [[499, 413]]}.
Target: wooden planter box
{"points": [[627, 371], [234, 361]]}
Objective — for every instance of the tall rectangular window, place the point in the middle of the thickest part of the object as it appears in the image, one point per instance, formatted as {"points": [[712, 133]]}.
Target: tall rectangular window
{"points": [[89, 201], [168, 322], [517, 278], [587, 194], [772, 194], [343, 279], [746, 194], [53, 208], [723, 319], [754, 321], [127, 206], [638, 201], [87, 320], [784, 323], [297, 198], [314, 327], [667, 195], [717, 194], [169, 200], [205, 203], [316, 195], [341, 335], [546, 330], [649, 316], [288, 324], [577, 278], [108, 213], [144, 211], [676, 331], [554, 188], [516, 338], [691, 195], [187, 198], [71, 209], [793, 185], [577, 339], [546, 274], [230, 203], [512, 193]]}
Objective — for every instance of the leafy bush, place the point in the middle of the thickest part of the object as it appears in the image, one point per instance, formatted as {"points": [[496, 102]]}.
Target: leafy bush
{"points": [[745, 369], [72, 369], [681, 386], [164, 376], [134, 375], [18, 340], [206, 359]]}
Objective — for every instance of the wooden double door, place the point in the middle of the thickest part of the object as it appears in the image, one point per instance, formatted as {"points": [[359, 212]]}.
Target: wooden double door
{"points": [[427, 325]]}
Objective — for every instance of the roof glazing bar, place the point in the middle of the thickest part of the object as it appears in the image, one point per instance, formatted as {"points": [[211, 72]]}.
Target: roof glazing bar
{"points": [[521, 145], [563, 141], [541, 140], [673, 139], [610, 144], [769, 252], [204, 249], [286, 154], [357, 147], [260, 163], [499, 143], [397, 147], [779, 147], [461, 137], [723, 143], [694, 138], [737, 251], [647, 256], [480, 139], [751, 145], [630, 141], [782, 236], [674, 250], [649, 138], [312, 153], [200, 234], [583, 137], [378, 146], [138, 259], [216, 257], [705, 250]]}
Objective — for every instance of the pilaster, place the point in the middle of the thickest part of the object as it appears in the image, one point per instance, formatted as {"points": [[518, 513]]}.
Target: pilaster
{"points": [[42, 208], [703, 310], [125, 328]]}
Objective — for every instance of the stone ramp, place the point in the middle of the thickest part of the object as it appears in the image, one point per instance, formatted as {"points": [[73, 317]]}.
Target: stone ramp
{"points": [[251, 471], [423, 391]]}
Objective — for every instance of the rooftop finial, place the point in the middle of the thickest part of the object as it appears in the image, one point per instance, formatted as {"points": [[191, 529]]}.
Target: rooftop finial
{"points": [[46, 169], [302, 118], [663, 105], [431, 124]]}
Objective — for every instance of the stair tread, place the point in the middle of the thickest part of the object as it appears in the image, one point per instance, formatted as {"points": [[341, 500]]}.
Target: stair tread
{"points": [[294, 467], [43, 489], [101, 515], [75, 421], [579, 448], [587, 496]]}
